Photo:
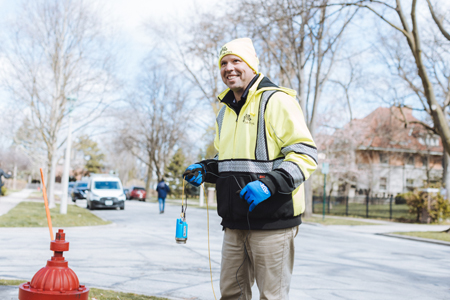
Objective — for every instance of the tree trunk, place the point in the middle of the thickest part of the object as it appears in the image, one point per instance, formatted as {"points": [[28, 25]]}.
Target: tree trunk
{"points": [[445, 175], [51, 177], [148, 183]]}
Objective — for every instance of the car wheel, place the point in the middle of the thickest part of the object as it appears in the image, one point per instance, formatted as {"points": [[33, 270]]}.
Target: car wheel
{"points": [[122, 207]]}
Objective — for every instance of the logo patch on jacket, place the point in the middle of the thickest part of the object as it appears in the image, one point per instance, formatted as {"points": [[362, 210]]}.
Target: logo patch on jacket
{"points": [[248, 119]]}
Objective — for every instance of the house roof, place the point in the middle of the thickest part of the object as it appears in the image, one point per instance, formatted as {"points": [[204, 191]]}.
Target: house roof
{"points": [[385, 129]]}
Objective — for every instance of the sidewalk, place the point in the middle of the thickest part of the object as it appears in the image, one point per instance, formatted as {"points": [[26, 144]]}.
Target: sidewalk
{"points": [[383, 226], [9, 202]]}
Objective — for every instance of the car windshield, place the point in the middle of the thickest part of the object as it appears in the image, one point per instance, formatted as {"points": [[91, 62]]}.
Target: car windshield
{"points": [[107, 185], [82, 185], [139, 189]]}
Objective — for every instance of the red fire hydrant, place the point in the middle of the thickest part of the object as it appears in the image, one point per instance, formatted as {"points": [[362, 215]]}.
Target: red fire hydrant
{"points": [[56, 280]]}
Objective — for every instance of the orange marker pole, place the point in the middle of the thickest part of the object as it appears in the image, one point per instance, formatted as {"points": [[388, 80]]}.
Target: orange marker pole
{"points": [[47, 210]]}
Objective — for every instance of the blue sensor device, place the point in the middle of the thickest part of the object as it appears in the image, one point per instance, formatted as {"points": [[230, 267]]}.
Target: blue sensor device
{"points": [[182, 231]]}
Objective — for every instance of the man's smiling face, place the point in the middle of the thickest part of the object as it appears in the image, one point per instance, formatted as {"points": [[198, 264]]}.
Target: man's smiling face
{"points": [[236, 74]]}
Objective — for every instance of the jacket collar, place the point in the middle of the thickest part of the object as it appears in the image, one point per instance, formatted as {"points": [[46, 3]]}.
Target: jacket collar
{"points": [[257, 83], [227, 96]]}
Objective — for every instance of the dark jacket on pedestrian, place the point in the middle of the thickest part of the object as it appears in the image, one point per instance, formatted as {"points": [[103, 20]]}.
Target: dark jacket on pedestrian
{"points": [[162, 189], [2, 173]]}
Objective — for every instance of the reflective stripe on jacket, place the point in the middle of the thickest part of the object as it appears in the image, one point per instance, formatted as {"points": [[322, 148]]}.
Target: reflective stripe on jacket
{"points": [[268, 141]]}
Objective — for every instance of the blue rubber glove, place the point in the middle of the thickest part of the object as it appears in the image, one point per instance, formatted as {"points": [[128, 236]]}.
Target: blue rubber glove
{"points": [[195, 174], [254, 193]]}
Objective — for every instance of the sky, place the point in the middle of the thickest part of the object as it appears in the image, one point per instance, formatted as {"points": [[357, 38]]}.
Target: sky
{"points": [[128, 18]]}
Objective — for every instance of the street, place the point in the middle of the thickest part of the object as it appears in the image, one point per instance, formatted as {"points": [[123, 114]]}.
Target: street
{"points": [[138, 253]]}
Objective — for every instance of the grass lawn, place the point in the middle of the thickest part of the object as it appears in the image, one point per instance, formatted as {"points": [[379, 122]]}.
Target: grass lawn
{"points": [[10, 191], [32, 214], [400, 212], [12, 281], [107, 294], [39, 195], [335, 221], [97, 294], [442, 236]]}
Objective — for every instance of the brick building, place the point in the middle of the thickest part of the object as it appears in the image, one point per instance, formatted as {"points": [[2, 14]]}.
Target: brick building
{"points": [[386, 153]]}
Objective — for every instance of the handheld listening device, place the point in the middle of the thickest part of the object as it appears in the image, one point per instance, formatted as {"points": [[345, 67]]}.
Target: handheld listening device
{"points": [[181, 231], [182, 226]]}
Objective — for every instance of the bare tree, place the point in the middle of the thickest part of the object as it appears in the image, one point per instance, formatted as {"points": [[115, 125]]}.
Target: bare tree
{"points": [[394, 16], [56, 49], [158, 115], [194, 49]]}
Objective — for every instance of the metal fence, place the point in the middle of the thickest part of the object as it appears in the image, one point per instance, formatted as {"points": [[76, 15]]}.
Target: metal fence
{"points": [[363, 206]]}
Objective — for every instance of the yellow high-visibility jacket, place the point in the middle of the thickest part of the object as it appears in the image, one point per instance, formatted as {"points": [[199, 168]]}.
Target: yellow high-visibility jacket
{"points": [[268, 140]]}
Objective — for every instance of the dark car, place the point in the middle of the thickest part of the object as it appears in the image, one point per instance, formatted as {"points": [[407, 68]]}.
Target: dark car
{"points": [[125, 191], [136, 192], [79, 190], [70, 188]]}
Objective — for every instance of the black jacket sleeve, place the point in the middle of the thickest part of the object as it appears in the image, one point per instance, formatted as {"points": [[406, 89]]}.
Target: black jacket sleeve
{"points": [[211, 167], [279, 181]]}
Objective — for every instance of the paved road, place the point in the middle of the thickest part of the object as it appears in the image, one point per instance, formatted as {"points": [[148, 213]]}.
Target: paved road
{"points": [[138, 254]]}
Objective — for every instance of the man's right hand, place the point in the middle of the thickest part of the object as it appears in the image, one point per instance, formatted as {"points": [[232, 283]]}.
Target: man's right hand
{"points": [[195, 174]]}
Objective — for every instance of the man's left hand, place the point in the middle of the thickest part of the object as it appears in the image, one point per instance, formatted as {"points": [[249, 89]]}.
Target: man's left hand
{"points": [[254, 193]]}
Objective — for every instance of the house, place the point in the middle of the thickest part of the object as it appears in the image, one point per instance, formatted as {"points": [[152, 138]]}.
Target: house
{"points": [[386, 153]]}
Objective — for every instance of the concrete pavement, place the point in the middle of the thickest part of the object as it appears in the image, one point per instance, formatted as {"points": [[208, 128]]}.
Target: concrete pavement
{"points": [[9, 202], [138, 254]]}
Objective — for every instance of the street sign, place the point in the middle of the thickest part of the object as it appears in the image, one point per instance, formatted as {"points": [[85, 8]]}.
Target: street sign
{"points": [[325, 168]]}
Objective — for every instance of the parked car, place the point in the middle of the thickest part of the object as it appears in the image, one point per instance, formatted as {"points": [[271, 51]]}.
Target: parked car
{"points": [[125, 191], [69, 190], [105, 191], [79, 190], [136, 192]]}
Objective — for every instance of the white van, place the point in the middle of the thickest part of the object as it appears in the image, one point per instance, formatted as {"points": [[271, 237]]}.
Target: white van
{"points": [[105, 191]]}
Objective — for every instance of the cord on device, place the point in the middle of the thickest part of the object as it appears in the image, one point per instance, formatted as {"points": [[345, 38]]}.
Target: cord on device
{"points": [[245, 240], [246, 255]]}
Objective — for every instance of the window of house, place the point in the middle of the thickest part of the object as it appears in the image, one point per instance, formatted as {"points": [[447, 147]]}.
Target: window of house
{"points": [[410, 161], [383, 183], [384, 158], [425, 161]]}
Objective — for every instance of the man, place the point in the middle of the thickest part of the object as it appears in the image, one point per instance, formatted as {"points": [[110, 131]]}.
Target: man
{"points": [[6, 175], [265, 153], [162, 188]]}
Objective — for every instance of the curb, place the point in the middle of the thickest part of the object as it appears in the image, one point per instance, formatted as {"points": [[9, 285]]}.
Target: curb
{"points": [[415, 239]]}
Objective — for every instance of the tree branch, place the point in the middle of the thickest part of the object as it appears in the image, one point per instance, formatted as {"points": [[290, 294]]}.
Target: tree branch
{"points": [[438, 22]]}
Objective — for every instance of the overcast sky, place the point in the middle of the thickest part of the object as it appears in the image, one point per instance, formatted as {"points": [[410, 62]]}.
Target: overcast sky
{"points": [[129, 16]]}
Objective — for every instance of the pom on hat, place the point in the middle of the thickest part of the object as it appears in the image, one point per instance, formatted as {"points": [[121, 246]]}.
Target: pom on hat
{"points": [[243, 48]]}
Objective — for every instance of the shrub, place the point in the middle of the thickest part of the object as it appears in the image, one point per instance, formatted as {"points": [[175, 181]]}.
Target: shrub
{"points": [[440, 208], [415, 203], [418, 205], [400, 198]]}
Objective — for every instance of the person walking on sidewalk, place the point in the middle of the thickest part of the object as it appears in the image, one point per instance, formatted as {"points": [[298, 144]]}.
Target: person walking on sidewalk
{"points": [[6, 175], [265, 154], [162, 189]]}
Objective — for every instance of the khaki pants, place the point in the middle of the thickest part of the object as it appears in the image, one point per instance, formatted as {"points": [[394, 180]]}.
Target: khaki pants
{"points": [[270, 261]]}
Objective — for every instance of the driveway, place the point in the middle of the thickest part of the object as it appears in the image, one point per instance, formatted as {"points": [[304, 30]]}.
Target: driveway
{"points": [[138, 254]]}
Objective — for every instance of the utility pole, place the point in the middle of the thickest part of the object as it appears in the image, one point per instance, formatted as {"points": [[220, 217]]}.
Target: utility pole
{"points": [[325, 168], [65, 177]]}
